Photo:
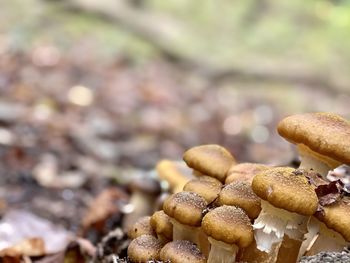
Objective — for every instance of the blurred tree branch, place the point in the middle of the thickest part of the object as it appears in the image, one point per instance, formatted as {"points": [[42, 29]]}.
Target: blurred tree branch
{"points": [[164, 33]]}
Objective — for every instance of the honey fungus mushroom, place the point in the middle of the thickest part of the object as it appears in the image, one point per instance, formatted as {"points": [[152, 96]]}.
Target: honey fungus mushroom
{"points": [[175, 173], [144, 248], [185, 212], [244, 172], [144, 192], [211, 159], [322, 139], [206, 186], [182, 251], [162, 225], [141, 227], [288, 201], [334, 227], [241, 194], [229, 229]]}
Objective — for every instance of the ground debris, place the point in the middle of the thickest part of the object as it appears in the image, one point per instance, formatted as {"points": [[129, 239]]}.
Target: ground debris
{"points": [[113, 246]]}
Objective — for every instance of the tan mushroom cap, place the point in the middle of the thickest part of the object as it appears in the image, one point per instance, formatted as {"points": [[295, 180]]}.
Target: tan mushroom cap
{"points": [[241, 194], [244, 172], [141, 227], [173, 173], [325, 133], [182, 251], [286, 188], [144, 248], [160, 222], [337, 217], [211, 159], [185, 207], [206, 186], [229, 224]]}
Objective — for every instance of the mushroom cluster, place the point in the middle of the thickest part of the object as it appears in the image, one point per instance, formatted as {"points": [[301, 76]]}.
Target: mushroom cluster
{"points": [[219, 211]]}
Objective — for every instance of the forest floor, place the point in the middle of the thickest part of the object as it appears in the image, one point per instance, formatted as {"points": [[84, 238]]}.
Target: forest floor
{"points": [[77, 124]]}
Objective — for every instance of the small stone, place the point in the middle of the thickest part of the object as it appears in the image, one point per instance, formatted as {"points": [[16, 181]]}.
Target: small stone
{"points": [[329, 257]]}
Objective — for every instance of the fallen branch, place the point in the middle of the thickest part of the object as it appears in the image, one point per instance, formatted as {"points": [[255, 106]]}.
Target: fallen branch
{"points": [[165, 34]]}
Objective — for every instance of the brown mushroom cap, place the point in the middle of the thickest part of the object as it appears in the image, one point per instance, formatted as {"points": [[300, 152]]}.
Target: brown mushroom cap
{"points": [[145, 185], [144, 248], [337, 217], [211, 159], [325, 133], [244, 172], [241, 194], [160, 222], [229, 224], [286, 188], [141, 227], [206, 186], [182, 251], [185, 207]]}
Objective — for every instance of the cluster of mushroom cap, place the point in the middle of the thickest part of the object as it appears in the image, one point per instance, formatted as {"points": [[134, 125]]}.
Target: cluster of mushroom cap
{"points": [[224, 211], [184, 231], [218, 230], [322, 140]]}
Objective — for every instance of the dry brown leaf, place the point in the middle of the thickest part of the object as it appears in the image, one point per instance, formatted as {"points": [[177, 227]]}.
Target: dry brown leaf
{"points": [[103, 207], [17, 226], [7, 259], [27, 247]]}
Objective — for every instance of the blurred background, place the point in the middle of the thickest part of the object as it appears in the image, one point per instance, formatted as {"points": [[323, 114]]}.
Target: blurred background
{"points": [[93, 92]]}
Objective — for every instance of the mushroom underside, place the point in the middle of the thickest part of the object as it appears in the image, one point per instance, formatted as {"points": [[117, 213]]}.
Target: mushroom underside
{"points": [[311, 160], [273, 223]]}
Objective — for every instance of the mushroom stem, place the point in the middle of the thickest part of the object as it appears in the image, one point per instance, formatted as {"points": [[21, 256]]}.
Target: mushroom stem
{"points": [[253, 254], [289, 250], [163, 239], [222, 252], [204, 244], [193, 234], [273, 223], [176, 174], [184, 232], [142, 206], [315, 161], [310, 237], [327, 240]]}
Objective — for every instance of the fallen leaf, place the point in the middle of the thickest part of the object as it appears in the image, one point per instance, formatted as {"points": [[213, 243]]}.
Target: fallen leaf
{"points": [[55, 258], [103, 208], [330, 193], [313, 177], [78, 251], [27, 247], [18, 225], [7, 259]]}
